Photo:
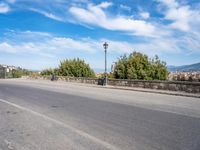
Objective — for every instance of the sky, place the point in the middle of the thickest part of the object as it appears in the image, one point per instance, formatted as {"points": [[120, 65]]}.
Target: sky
{"points": [[38, 34]]}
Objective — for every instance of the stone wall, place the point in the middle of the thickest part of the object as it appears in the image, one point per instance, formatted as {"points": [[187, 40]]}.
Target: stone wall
{"points": [[190, 87], [68, 79], [184, 86]]}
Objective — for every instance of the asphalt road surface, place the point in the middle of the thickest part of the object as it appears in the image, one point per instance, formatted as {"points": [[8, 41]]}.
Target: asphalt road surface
{"points": [[43, 115]]}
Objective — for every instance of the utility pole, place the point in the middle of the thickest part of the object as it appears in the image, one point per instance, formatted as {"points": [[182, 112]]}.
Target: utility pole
{"points": [[105, 45]]}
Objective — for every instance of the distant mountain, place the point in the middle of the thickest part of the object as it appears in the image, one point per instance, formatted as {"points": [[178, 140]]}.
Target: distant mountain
{"points": [[185, 68]]}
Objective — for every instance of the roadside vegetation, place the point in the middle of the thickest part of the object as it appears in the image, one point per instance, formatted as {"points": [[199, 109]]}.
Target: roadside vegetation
{"points": [[15, 73], [18, 73], [133, 66], [72, 68], [140, 66]]}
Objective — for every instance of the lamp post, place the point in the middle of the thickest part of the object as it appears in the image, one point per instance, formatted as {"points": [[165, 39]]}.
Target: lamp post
{"points": [[5, 69], [105, 45], [5, 74]]}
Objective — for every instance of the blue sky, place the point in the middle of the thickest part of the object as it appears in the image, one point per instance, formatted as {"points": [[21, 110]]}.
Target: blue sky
{"points": [[37, 34]]}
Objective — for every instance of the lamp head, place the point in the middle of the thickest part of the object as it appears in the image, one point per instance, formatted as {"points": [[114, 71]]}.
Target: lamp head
{"points": [[105, 45]]}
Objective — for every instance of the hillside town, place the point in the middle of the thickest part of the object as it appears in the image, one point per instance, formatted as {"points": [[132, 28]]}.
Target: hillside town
{"points": [[6, 69], [10, 71], [184, 76]]}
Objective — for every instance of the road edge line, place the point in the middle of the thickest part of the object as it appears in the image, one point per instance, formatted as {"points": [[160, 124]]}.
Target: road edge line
{"points": [[82, 133]]}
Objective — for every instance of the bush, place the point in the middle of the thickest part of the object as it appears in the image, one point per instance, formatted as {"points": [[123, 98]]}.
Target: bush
{"points": [[18, 73], [72, 68], [47, 72], [75, 68], [139, 66]]}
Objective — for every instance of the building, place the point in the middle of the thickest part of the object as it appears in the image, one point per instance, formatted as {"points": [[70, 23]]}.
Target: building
{"points": [[6, 70], [185, 76]]}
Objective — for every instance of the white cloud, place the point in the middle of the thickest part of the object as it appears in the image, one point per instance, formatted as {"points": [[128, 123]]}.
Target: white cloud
{"points": [[186, 19], [4, 8], [105, 4], [47, 14], [68, 44], [190, 43], [40, 43], [125, 7], [94, 15], [47, 46], [183, 16], [150, 47], [20, 47], [5, 47], [144, 15], [169, 3]]}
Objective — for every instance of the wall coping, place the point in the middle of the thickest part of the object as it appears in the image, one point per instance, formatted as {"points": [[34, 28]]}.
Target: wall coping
{"points": [[131, 80]]}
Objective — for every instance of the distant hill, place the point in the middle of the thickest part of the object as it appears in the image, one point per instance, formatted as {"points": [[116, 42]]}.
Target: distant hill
{"points": [[185, 68]]}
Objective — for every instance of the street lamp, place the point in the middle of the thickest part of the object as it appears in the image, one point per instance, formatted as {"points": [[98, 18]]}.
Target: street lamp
{"points": [[105, 45], [4, 73]]}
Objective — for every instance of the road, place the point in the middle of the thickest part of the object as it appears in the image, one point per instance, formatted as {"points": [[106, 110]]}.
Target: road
{"points": [[44, 115]]}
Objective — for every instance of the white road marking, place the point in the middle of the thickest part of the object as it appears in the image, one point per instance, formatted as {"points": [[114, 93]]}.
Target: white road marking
{"points": [[82, 133], [8, 144]]}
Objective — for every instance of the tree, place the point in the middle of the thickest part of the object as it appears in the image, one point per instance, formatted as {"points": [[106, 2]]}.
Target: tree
{"points": [[159, 69], [18, 73], [120, 68], [139, 66], [47, 72], [75, 68]]}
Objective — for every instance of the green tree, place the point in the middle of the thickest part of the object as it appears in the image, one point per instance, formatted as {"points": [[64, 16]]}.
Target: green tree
{"points": [[139, 66], [18, 73], [47, 72], [120, 68], [75, 68], [159, 69]]}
